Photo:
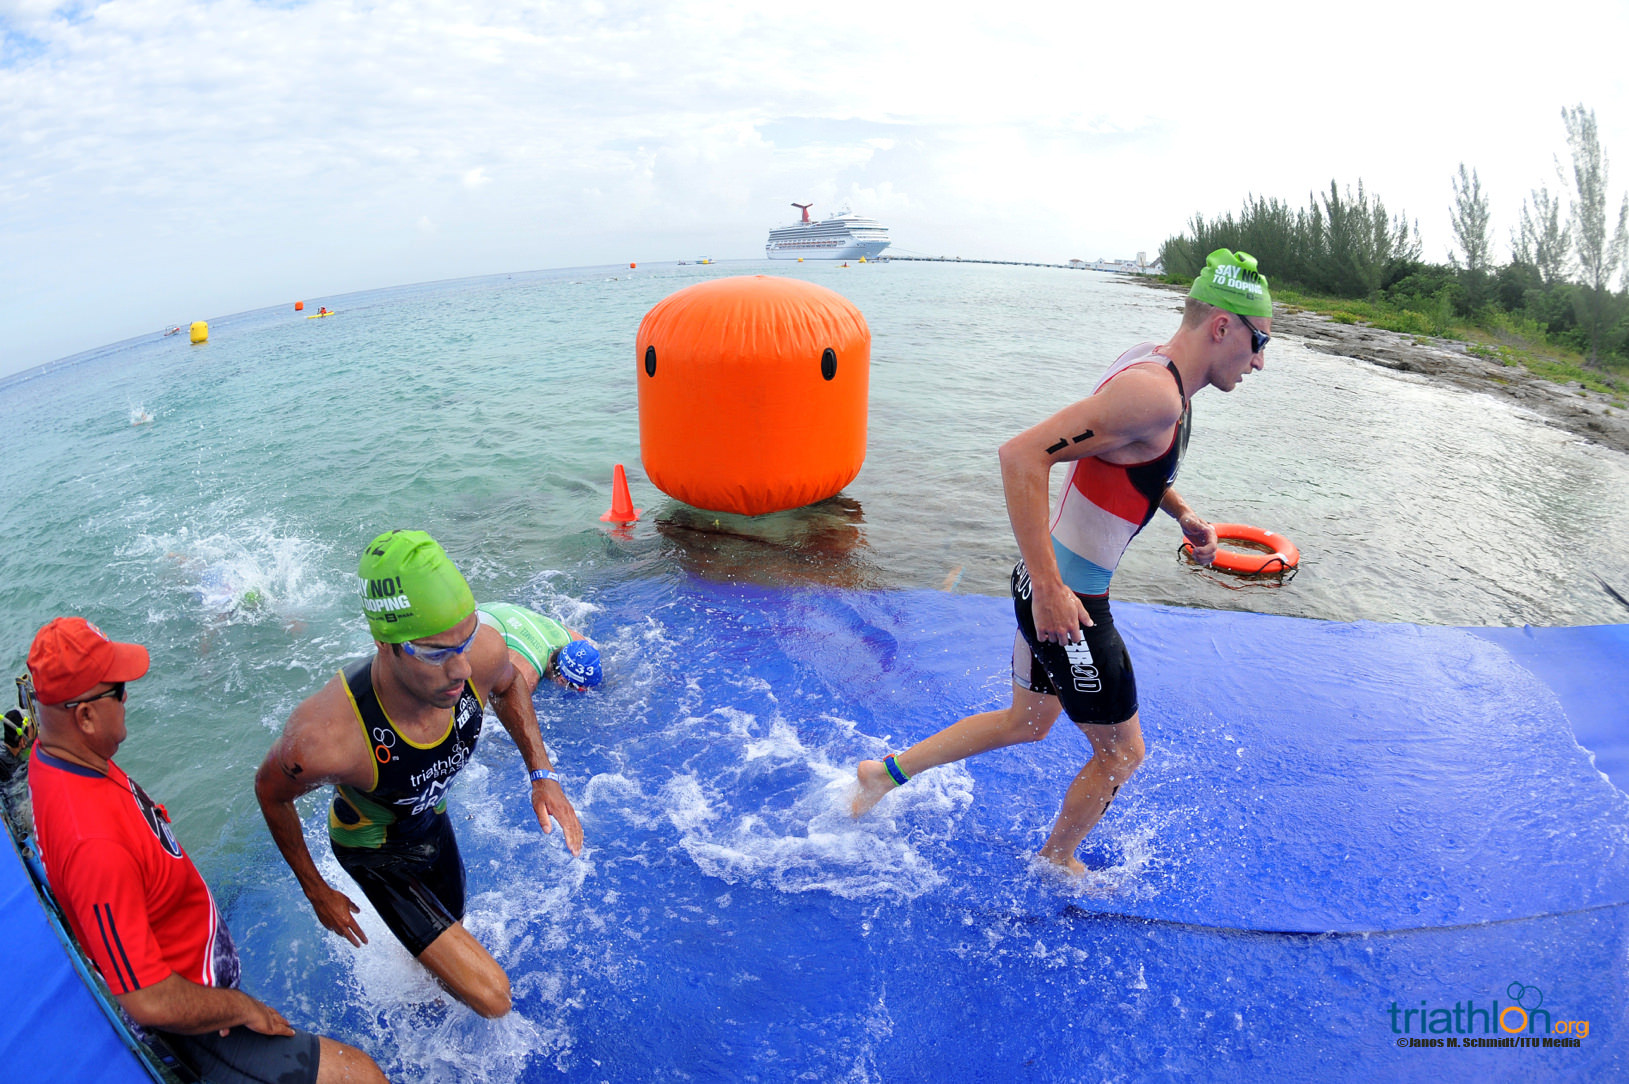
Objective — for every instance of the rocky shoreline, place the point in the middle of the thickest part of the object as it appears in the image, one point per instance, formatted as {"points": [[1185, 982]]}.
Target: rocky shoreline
{"points": [[1584, 413]]}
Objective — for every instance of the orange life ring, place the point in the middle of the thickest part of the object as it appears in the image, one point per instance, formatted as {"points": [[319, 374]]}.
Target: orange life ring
{"points": [[1283, 556]]}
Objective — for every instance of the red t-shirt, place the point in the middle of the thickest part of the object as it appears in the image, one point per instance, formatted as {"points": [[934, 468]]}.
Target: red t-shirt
{"points": [[133, 898]]}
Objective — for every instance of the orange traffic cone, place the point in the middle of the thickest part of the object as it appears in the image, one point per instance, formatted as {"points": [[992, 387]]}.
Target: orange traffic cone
{"points": [[622, 509]]}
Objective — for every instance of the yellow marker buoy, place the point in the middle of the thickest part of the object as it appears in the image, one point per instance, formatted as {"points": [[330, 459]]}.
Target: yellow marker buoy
{"points": [[200, 332]]}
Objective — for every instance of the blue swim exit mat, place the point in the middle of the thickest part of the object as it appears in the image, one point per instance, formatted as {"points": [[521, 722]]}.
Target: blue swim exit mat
{"points": [[1356, 851]]}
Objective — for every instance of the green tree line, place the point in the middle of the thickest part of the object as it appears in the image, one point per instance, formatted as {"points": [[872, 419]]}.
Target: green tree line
{"points": [[1567, 250]]}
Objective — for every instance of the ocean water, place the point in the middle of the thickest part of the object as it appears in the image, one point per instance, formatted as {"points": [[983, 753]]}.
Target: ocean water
{"points": [[209, 502]]}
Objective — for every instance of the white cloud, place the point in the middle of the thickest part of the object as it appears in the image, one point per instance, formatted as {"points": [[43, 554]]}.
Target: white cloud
{"points": [[161, 159]]}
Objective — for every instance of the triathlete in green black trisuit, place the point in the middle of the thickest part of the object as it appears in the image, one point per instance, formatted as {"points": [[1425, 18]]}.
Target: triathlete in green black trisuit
{"points": [[390, 732]]}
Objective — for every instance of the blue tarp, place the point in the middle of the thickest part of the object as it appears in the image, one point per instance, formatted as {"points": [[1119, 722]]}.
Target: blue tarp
{"points": [[1587, 669], [1335, 821], [52, 1027], [1346, 836]]}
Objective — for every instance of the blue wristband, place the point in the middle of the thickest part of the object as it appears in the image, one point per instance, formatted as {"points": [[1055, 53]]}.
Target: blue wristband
{"points": [[545, 773]]}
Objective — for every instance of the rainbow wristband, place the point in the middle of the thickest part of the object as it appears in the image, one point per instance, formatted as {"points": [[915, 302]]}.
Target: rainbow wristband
{"points": [[539, 774], [900, 778]]}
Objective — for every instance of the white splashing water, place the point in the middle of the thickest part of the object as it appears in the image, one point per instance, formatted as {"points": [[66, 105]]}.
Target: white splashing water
{"points": [[245, 571]]}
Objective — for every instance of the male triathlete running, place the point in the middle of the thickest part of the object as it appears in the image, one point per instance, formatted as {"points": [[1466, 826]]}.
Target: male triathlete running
{"points": [[390, 732], [1124, 444]]}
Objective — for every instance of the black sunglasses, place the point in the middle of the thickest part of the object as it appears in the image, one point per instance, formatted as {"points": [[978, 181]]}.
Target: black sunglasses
{"points": [[1258, 341], [117, 693]]}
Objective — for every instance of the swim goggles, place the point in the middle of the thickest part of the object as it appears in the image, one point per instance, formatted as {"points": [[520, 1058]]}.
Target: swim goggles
{"points": [[435, 656], [1258, 341]]}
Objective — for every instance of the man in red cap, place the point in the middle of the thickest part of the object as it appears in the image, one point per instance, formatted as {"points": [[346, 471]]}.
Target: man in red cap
{"points": [[135, 901]]}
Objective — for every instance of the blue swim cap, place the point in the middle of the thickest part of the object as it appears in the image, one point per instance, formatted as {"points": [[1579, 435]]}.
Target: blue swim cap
{"points": [[579, 663]]}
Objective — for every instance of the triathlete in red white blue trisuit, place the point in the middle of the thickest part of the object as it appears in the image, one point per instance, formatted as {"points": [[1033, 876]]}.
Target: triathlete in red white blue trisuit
{"points": [[390, 732], [1123, 444]]}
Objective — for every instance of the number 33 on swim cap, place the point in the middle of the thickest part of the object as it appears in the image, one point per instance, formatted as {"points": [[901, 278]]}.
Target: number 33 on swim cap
{"points": [[410, 588]]}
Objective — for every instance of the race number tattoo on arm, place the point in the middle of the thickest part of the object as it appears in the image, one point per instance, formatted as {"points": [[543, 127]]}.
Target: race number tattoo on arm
{"points": [[1064, 442], [293, 771]]}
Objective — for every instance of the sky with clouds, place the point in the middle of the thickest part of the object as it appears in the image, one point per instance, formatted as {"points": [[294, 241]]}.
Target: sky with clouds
{"points": [[170, 160]]}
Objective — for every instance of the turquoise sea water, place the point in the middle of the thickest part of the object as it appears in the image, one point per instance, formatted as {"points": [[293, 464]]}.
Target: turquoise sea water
{"points": [[490, 412]]}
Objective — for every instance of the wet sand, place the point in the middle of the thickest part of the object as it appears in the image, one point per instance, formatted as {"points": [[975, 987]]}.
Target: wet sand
{"points": [[1579, 411]]}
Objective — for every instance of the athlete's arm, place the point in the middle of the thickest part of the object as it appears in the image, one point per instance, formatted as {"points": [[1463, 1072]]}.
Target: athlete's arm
{"points": [[1200, 534], [512, 700], [186, 1008], [101, 889], [310, 753], [1136, 407]]}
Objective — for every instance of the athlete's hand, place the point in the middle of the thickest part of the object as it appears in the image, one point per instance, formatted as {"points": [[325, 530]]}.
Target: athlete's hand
{"points": [[1201, 536], [549, 800], [264, 1019], [1058, 614], [334, 910]]}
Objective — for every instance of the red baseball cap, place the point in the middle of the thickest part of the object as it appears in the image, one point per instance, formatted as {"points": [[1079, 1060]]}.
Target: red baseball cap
{"points": [[71, 656]]}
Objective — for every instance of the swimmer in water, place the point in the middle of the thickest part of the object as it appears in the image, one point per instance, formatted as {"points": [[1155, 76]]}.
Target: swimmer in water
{"points": [[1123, 445], [540, 647], [223, 590], [390, 732]]}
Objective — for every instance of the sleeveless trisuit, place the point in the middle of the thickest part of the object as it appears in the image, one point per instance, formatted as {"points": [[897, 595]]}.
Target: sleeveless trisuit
{"points": [[1102, 508], [395, 839]]}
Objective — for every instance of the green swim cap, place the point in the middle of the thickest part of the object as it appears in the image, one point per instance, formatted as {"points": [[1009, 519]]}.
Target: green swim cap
{"points": [[410, 587], [1230, 281]]}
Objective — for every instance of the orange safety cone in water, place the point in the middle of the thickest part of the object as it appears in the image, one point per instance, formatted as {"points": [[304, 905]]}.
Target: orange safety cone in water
{"points": [[622, 509], [299, 306]]}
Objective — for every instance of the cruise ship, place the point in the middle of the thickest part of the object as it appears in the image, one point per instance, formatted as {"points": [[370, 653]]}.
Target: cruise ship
{"points": [[843, 237]]}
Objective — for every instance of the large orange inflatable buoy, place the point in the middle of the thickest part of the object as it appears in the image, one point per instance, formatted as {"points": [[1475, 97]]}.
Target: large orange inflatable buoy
{"points": [[752, 394]]}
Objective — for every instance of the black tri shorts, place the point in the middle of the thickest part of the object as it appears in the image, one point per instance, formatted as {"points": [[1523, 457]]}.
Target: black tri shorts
{"points": [[417, 885], [242, 1056], [1093, 679]]}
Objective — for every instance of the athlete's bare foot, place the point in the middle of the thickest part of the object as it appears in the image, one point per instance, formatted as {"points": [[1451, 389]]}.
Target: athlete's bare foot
{"points": [[1067, 864], [875, 782]]}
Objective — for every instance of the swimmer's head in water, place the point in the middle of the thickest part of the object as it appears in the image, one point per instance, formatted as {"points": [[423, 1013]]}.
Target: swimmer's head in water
{"points": [[1230, 281], [579, 663], [410, 588]]}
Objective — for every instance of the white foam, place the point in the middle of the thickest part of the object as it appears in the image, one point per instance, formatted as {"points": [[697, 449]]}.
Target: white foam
{"points": [[246, 571], [421, 1032], [779, 817], [684, 803], [782, 743]]}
